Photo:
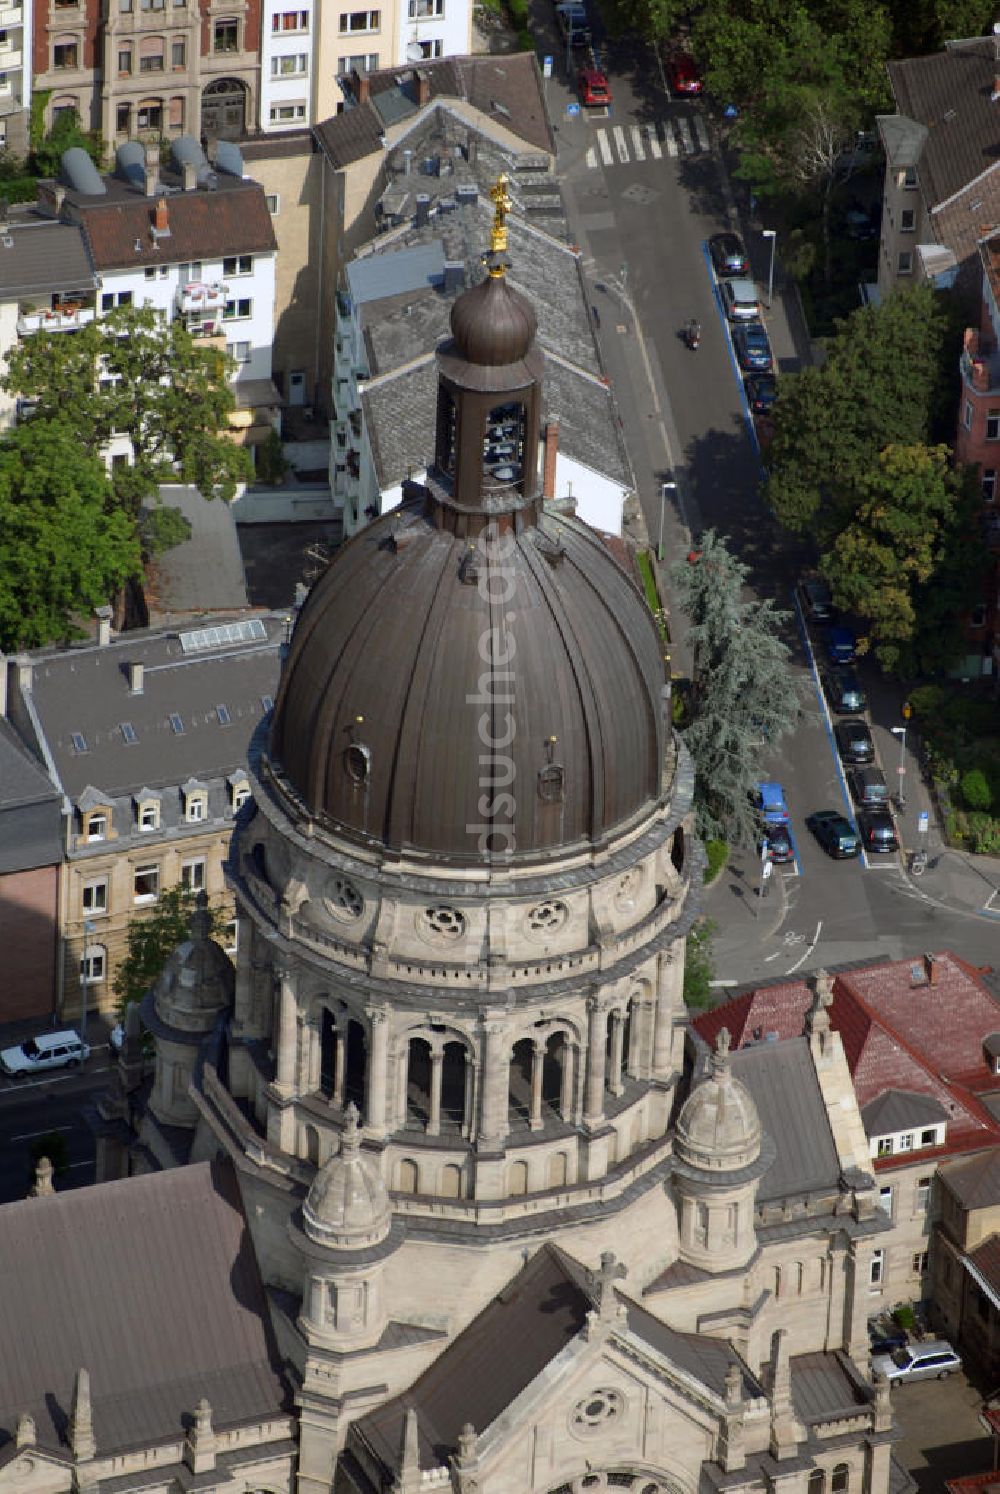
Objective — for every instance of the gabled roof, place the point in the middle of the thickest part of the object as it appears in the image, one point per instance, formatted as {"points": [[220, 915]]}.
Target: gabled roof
{"points": [[899, 1110], [951, 94], [203, 225], [975, 1181], [39, 256], [151, 1284], [986, 1261]]}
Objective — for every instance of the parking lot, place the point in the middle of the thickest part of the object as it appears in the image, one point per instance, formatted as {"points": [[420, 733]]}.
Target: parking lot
{"points": [[940, 1433]]}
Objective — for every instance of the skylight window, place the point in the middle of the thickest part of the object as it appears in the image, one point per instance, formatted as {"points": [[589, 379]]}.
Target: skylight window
{"points": [[250, 630], [128, 733], [79, 742], [267, 701], [223, 714], [176, 724]]}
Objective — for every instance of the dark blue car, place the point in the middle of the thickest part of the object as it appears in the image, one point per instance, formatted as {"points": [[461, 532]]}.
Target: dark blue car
{"points": [[753, 350], [840, 645]]}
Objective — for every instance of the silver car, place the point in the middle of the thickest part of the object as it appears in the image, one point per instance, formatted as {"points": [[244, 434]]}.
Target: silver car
{"points": [[932, 1360]]}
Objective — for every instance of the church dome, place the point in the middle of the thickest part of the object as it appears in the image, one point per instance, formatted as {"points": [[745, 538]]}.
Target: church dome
{"points": [[347, 1205], [198, 979], [718, 1129], [492, 324], [416, 713]]}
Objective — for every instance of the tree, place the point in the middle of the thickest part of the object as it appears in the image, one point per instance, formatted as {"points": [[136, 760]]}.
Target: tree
{"points": [[698, 964], [151, 937], [47, 152], [742, 692], [887, 380], [134, 374], [64, 547]]}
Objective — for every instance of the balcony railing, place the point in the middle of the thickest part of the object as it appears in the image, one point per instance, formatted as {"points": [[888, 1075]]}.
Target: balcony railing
{"points": [[199, 297], [65, 318]]}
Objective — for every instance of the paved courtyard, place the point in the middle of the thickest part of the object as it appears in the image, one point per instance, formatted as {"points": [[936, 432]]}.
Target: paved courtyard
{"points": [[940, 1433]]}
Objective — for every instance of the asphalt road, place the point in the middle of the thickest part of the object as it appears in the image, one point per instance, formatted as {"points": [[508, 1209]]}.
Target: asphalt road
{"points": [[38, 1107]]}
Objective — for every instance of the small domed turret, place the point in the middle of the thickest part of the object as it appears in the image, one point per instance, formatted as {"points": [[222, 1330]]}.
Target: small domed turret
{"points": [[718, 1128], [348, 1205], [492, 324]]}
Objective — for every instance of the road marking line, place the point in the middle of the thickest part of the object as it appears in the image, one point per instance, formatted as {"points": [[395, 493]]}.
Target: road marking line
{"points": [[604, 145], [636, 134], [592, 158], [685, 134], [671, 143], [701, 132], [619, 135], [808, 951], [30, 1135], [655, 147]]}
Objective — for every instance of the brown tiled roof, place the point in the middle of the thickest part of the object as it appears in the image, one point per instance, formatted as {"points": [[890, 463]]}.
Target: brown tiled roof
{"points": [[491, 1362], [150, 1284], [505, 89], [950, 93], [203, 225], [975, 1182], [986, 1259]]}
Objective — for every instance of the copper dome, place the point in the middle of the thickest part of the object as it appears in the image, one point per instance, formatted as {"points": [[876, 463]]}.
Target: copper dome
{"points": [[390, 729], [492, 324]]}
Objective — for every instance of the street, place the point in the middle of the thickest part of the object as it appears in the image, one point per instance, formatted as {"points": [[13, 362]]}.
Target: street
{"points": [[39, 1107]]}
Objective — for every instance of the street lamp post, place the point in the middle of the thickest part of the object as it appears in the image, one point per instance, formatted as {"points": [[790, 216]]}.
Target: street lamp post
{"points": [[665, 488], [772, 234], [900, 732]]}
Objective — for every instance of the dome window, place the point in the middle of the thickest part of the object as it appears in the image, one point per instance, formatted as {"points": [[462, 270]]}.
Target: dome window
{"points": [[547, 918], [358, 762], [344, 900], [444, 922], [550, 784]]}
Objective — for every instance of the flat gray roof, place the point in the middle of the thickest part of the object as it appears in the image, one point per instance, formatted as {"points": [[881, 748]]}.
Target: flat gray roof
{"points": [[205, 573], [782, 1082]]}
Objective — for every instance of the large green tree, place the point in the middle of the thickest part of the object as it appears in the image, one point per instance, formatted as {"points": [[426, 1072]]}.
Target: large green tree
{"points": [[65, 547], [151, 937], [133, 374], [887, 379], [743, 693]]}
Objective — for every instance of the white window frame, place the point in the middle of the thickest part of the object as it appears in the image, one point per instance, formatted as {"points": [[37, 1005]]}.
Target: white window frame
{"points": [[904, 262], [886, 1198], [240, 793], [148, 808], [231, 936], [989, 485], [96, 825], [236, 315], [910, 227], [290, 65], [876, 1269], [920, 1262], [151, 871], [272, 201], [372, 22], [993, 425], [237, 264], [196, 807], [94, 897], [194, 874], [923, 1195], [287, 113], [425, 10], [94, 964]]}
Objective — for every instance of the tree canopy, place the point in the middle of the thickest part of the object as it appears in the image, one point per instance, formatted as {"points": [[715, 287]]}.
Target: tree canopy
{"points": [[742, 691], [131, 373], [151, 937], [64, 546]]}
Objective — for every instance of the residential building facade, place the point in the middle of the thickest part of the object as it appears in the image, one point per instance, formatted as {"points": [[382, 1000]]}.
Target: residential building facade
{"points": [[15, 74]]}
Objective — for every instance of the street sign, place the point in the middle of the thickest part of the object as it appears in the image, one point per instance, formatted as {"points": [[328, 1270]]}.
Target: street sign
{"points": [[922, 822], [765, 850], [546, 67], [767, 869], [572, 111]]}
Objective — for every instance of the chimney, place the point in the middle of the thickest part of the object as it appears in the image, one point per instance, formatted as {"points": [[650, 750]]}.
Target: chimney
{"points": [[407, 160], [152, 173], [103, 615], [135, 678], [423, 209], [931, 969], [161, 221], [422, 84], [189, 173], [549, 463], [24, 672], [362, 87], [51, 196], [454, 276]]}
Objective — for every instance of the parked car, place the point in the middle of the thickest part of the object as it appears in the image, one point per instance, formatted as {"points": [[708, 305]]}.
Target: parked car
{"points": [[841, 645], [592, 86], [843, 691], [932, 1360], [682, 74], [854, 742], [739, 297], [753, 351], [835, 833], [778, 840], [878, 833], [769, 801], [728, 254], [573, 23], [50, 1050], [815, 599], [869, 788], [762, 391]]}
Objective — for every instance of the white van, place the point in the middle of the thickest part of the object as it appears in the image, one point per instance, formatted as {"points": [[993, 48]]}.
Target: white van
{"points": [[739, 297], [52, 1050]]}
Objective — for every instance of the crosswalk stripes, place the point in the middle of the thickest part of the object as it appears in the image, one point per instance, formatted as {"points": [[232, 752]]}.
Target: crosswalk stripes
{"points": [[619, 145]]}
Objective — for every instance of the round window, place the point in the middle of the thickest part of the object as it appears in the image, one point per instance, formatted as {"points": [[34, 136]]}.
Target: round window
{"points": [[596, 1410], [547, 918], [628, 887], [344, 900], [443, 922]]}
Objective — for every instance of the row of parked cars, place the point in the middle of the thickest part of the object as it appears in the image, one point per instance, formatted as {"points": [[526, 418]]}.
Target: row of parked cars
{"points": [[742, 306]]}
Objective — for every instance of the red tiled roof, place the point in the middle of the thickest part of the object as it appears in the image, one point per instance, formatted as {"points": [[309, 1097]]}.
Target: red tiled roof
{"points": [[986, 1259], [203, 225], [974, 1483]]}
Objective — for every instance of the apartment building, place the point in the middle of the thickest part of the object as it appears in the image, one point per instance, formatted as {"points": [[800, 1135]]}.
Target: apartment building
{"points": [[15, 74], [145, 738]]}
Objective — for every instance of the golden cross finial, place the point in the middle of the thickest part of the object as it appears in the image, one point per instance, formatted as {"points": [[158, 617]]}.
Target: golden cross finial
{"points": [[498, 235]]}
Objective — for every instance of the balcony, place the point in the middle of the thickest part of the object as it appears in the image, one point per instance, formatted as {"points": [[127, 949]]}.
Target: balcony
{"points": [[10, 15], [980, 364], [10, 58], [69, 317], [201, 298]]}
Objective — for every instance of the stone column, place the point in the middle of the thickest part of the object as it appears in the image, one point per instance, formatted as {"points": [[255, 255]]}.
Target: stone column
{"points": [[339, 1066], [315, 1052], [402, 1079], [378, 1057], [494, 1085], [663, 1038], [287, 1031], [537, 1071], [437, 1067], [469, 1103], [566, 1084], [617, 1041], [593, 1110]]}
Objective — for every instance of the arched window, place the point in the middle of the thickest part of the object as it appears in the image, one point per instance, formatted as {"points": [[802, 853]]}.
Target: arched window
{"points": [[677, 849], [817, 1481], [840, 1480], [354, 1071], [777, 1281], [558, 1170], [519, 1088], [331, 1059], [553, 1060], [408, 1176], [451, 1181], [453, 1087], [518, 1179], [800, 1277], [418, 1083], [312, 1145]]}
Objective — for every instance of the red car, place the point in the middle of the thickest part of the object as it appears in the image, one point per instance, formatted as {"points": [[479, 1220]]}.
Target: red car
{"points": [[683, 75], [593, 87]]}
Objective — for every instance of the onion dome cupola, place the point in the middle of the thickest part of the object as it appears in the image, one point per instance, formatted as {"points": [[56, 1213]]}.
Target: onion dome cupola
{"points": [[469, 642], [719, 1154]]}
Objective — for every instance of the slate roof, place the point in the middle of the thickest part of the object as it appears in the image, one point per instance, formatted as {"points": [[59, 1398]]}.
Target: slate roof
{"points": [[205, 572], [899, 1110], [975, 1181], [705, 1359], [506, 90], [986, 1259], [950, 93], [487, 1365], [899, 1032], [85, 690], [203, 224], [43, 256], [783, 1085], [151, 1284], [30, 808], [375, 276], [823, 1389]]}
